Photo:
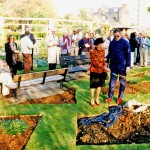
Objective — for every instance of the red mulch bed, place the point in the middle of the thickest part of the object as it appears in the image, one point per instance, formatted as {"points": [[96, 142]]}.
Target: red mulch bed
{"points": [[18, 142]]}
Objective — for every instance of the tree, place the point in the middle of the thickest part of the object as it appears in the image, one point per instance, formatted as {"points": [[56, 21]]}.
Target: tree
{"points": [[27, 8], [148, 9], [84, 15]]}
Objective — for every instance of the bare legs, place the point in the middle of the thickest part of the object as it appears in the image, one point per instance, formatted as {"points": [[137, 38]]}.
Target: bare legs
{"points": [[93, 100]]}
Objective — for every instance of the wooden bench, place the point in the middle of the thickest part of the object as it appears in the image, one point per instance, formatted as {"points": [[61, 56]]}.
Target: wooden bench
{"points": [[31, 79], [76, 63]]}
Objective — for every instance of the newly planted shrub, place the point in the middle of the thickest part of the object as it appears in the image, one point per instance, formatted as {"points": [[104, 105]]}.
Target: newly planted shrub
{"points": [[13, 126]]}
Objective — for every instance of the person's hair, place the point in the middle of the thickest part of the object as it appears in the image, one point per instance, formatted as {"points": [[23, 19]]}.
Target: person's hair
{"points": [[86, 33], [9, 37], [26, 26], [132, 35], [117, 30]]}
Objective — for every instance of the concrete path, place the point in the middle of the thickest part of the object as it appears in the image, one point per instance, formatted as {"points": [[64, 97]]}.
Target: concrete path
{"points": [[41, 91]]}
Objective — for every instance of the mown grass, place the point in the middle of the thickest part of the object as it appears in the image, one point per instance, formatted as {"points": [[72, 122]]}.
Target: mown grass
{"points": [[58, 127]]}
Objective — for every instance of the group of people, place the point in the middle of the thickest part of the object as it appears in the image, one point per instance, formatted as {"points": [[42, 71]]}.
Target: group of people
{"points": [[27, 42], [9, 67], [115, 54], [116, 61]]}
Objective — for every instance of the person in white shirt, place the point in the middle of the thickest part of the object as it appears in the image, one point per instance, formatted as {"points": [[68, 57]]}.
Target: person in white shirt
{"points": [[111, 36], [53, 49], [105, 44], [6, 79], [26, 49]]}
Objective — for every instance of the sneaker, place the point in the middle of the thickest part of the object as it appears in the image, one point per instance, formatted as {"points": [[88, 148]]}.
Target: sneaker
{"points": [[119, 100], [108, 100]]}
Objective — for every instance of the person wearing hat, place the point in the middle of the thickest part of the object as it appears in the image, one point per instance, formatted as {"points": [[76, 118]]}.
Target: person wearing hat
{"points": [[53, 50], [97, 67], [74, 43]]}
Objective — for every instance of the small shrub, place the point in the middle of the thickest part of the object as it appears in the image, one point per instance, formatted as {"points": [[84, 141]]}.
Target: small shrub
{"points": [[13, 126]]}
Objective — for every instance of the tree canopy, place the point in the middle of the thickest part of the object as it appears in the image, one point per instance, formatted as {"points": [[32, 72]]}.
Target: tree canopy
{"points": [[27, 8]]}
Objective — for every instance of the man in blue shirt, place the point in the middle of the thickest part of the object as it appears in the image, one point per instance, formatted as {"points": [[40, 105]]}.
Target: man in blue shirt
{"points": [[144, 46], [118, 57]]}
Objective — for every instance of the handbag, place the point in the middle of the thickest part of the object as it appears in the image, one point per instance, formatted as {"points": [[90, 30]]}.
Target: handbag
{"points": [[19, 65]]}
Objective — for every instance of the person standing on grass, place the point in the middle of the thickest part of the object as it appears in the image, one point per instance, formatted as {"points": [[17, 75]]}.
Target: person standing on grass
{"points": [[26, 49], [144, 45], [65, 44], [133, 45], [31, 36], [12, 54], [119, 57], [74, 42], [97, 67], [85, 44], [53, 52]]}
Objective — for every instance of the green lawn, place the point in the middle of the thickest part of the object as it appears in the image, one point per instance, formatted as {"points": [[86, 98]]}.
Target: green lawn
{"points": [[57, 128]]}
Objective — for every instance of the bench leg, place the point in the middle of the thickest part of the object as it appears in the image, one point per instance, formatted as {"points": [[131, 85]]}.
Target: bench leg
{"points": [[15, 93], [61, 84]]}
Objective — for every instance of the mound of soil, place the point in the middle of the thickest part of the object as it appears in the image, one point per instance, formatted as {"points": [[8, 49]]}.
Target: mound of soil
{"points": [[18, 142], [139, 88], [63, 98], [136, 129], [141, 74]]}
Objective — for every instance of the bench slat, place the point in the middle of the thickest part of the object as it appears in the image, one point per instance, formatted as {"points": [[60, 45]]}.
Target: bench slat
{"points": [[36, 75]]}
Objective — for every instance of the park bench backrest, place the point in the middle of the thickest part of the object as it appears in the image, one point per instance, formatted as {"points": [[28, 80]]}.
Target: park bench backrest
{"points": [[74, 60], [42, 74], [30, 76]]}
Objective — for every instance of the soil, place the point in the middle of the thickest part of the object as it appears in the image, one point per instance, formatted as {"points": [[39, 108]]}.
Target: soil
{"points": [[134, 130], [18, 142], [141, 74], [131, 88], [67, 97]]}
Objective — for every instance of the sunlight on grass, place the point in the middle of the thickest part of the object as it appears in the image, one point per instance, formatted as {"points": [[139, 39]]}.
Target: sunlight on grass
{"points": [[57, 128]]}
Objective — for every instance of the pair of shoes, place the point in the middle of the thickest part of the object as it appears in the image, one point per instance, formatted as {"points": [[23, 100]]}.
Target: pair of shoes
{"points": [[119, 100], [108, 100]]}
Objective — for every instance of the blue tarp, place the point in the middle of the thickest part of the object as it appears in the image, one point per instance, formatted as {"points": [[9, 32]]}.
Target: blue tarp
{"points": [[106, 119]]}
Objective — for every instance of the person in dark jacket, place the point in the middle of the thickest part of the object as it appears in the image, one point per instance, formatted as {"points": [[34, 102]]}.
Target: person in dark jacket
{"points": [[119, 56], [85, 44], [12, 54], [133, 45]]}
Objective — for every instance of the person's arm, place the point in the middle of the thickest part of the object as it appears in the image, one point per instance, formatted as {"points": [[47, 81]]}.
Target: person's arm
{"points": [[61, 43], [32, 38], [147, 43], [8, 54], [127, 56]]}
